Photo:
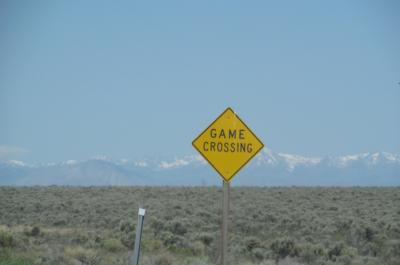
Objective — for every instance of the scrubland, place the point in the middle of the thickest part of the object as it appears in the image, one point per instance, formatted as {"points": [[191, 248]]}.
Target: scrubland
{"points": [[288, 225]]}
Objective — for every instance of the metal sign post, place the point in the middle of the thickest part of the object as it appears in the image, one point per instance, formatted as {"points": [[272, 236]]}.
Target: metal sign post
{"points": [[225, 210], [228, 145], [139, 228]]}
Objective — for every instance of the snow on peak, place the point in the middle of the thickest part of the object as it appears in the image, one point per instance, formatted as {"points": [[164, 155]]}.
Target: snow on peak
{"points": [[70, 162], [16, 163], [391, 157], [388, 157], [266, 156], [181, 162], [292, 161], [173, 164], [296, 160], [370, 159], [140, 163], [343, 161], [124, 160]]}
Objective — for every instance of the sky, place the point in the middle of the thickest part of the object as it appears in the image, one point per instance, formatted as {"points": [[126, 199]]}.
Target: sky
{"points": [[134, 79]]}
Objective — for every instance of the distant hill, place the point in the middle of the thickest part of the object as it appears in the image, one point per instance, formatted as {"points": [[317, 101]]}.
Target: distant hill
{"points": [[266, 169]]}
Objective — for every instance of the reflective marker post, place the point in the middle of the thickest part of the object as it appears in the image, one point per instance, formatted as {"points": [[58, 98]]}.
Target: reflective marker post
{"points": [[225, 211], [139, 228]]}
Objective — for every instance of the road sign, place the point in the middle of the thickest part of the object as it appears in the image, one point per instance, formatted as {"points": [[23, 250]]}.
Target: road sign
{"points": [[228, 144]]}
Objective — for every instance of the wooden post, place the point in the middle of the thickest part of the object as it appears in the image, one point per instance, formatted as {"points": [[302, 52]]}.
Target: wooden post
{"points": [[225, 211]]}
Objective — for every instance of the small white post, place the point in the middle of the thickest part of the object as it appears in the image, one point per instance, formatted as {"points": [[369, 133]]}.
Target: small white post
{"points": [[139, 228]]}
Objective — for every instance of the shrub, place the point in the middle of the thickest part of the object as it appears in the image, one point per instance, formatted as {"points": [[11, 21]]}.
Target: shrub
{"points": [[16, 262], [282, 248], [6, 239], [392, 252], [35, 231], [163, 259], [177, 228], [173, 241], [310, 253], [128, 239], [60, 223], [345, 260], [151, 244], [7, 256], [252, 243], [126, 226], [335, 251], [80, 239], [206, 238], [369, 234], [168, 238], [156, 225], [364, 221], [85, 256], [112, 245], [197, 248], [258, 253]]}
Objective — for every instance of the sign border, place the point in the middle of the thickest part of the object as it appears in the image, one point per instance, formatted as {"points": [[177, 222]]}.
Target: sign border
{"points": [[245, 125]]}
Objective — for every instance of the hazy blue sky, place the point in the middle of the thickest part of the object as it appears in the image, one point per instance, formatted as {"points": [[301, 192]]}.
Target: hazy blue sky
{"points": [[131, 79]]}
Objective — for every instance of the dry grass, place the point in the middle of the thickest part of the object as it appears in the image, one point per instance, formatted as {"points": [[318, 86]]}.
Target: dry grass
{"points": [[96, 225]]}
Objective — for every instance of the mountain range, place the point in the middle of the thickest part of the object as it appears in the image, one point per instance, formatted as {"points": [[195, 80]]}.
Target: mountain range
{"points": [[266, 169]]}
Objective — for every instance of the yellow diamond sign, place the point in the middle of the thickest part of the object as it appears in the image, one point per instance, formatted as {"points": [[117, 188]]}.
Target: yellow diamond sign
{"points": [[228, 144]]}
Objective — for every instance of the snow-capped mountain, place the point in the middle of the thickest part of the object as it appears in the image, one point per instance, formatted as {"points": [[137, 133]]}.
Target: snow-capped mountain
{"points": [[267, 168]]}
